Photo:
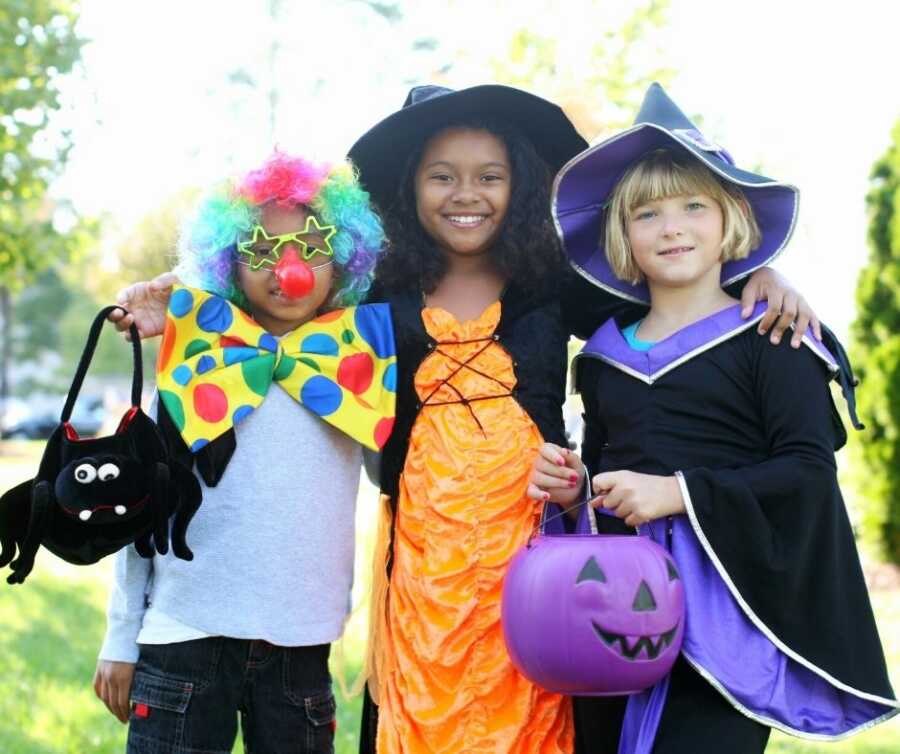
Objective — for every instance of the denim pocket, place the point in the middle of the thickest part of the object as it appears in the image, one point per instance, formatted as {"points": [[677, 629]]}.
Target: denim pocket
{"points": [[321, 708], [305, 673], [158, 705], [321, 723], [161, 693], [196, 661]]}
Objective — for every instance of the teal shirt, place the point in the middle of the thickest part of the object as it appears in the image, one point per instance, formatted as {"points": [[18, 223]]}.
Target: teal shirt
{"points": [[632, 339]]}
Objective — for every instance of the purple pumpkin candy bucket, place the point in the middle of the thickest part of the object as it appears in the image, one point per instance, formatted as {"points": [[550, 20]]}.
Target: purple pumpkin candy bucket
{"points": [[590, 614]]}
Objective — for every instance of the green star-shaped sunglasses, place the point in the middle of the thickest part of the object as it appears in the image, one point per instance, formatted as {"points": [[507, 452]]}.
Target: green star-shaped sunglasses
{"points": [[263, 250]]}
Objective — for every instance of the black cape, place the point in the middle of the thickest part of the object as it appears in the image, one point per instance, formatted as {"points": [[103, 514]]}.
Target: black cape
{"points": [[751, 429]]}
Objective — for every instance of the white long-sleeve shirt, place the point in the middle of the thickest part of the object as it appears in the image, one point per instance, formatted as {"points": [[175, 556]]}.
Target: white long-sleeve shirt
{"points": [[272, 542]]}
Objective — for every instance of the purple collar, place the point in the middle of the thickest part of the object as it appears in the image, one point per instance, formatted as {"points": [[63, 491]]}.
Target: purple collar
{"points": [[608, 344]]}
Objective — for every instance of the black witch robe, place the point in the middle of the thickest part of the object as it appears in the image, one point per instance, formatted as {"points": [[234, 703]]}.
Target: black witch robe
{"points": [[778, 617]]}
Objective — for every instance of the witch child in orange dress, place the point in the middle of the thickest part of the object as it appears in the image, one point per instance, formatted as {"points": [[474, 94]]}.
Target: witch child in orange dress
{"points": [[473, 285]]}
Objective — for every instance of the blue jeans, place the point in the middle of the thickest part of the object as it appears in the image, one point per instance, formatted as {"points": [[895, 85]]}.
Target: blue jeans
{"points": [[186, 698]]}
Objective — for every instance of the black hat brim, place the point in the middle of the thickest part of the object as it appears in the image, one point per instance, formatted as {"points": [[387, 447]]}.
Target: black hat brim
{"points": [[381, 153]]}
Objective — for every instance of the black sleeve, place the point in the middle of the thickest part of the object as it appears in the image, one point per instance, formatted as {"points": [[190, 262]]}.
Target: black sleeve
{"points": [[797, 424], [595, 435], [586, 306], [588, 383], [778, 530], [543, 389]]}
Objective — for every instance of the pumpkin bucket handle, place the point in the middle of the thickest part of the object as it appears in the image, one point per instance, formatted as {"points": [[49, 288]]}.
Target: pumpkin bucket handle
{"points": [[552, 519]]}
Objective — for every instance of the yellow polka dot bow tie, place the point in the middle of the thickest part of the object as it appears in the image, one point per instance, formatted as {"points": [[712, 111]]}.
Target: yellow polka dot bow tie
{"points": [[216, 365]]}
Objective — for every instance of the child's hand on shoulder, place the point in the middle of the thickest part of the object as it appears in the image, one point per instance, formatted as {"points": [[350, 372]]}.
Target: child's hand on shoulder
{"points": [[557, 475], [637, 498], [786, 307]]}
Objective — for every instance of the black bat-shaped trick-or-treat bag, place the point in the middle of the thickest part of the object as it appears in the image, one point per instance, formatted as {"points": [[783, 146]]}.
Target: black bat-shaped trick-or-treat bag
{"points": [[93, 496]]}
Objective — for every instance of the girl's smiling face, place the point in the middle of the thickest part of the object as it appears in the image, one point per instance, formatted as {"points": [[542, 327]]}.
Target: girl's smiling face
{"points": [[273, 310], [462, 186], [677, 241]]}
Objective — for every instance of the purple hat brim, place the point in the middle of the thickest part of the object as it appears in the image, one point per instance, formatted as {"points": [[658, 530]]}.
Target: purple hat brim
{"points": [[583, 186]]}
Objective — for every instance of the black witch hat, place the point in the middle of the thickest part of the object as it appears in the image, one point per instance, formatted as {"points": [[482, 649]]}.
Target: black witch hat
{"points": [[381, 153]]}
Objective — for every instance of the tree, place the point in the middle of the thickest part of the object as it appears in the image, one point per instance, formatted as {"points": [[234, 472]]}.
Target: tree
{"points": [[145, 250], [876, 349], [599, 86], [38, 46], [50, 318]]}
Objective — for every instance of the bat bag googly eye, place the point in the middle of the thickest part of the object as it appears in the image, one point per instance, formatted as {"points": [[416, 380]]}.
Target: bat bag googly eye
{"points": [[94, 496]]}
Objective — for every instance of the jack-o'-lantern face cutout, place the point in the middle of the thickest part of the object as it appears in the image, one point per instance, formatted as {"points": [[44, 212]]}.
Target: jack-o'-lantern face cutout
{"points": [[593, 614], [624, 628]]}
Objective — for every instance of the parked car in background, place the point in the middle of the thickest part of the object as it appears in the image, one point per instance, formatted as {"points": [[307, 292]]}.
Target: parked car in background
{"points": [[37, 420]]}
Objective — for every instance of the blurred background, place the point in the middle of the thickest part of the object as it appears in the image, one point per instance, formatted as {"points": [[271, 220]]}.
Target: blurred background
{"points": [[113, 115]]}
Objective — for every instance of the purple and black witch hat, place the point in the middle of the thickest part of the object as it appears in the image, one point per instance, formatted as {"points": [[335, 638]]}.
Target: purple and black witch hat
{"points": [[583, 186]]}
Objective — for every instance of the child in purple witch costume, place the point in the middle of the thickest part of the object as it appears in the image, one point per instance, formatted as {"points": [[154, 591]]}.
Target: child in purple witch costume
{"points": [[695, 436]]}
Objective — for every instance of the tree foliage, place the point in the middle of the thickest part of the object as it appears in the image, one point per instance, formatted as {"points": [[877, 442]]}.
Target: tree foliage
{"points": [[50, 316], [601, 87], [38, 46], [50, 319], [147, 249], [876, 349]]}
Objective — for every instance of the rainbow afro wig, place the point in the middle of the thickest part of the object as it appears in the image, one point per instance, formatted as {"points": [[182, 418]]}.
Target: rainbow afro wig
{"points": [[207, 250]]}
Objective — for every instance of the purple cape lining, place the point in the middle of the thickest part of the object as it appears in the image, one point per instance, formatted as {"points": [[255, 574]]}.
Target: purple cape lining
{"points": [[609, 344], [760, 680]]}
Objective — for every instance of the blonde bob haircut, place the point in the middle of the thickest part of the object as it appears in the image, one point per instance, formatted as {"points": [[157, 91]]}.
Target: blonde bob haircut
{"points": [[662, 174]]}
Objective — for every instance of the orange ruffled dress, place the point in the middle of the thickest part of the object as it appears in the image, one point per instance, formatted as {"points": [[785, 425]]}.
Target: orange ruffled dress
{"points": [[447, 684]]}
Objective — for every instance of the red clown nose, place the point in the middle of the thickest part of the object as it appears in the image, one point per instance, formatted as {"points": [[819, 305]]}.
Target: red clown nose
{"points": [[295, 277]]}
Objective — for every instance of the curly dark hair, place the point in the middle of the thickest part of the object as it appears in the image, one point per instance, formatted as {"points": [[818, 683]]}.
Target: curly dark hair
{"points": [[527, 251]]}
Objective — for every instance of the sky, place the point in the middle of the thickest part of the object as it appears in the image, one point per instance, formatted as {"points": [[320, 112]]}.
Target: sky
{"points": [[804, 90]]}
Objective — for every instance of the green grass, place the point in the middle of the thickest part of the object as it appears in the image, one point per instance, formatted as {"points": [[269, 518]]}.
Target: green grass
{"points": [[51, 629], [52, 626], [48, 641], [50, 632]]}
